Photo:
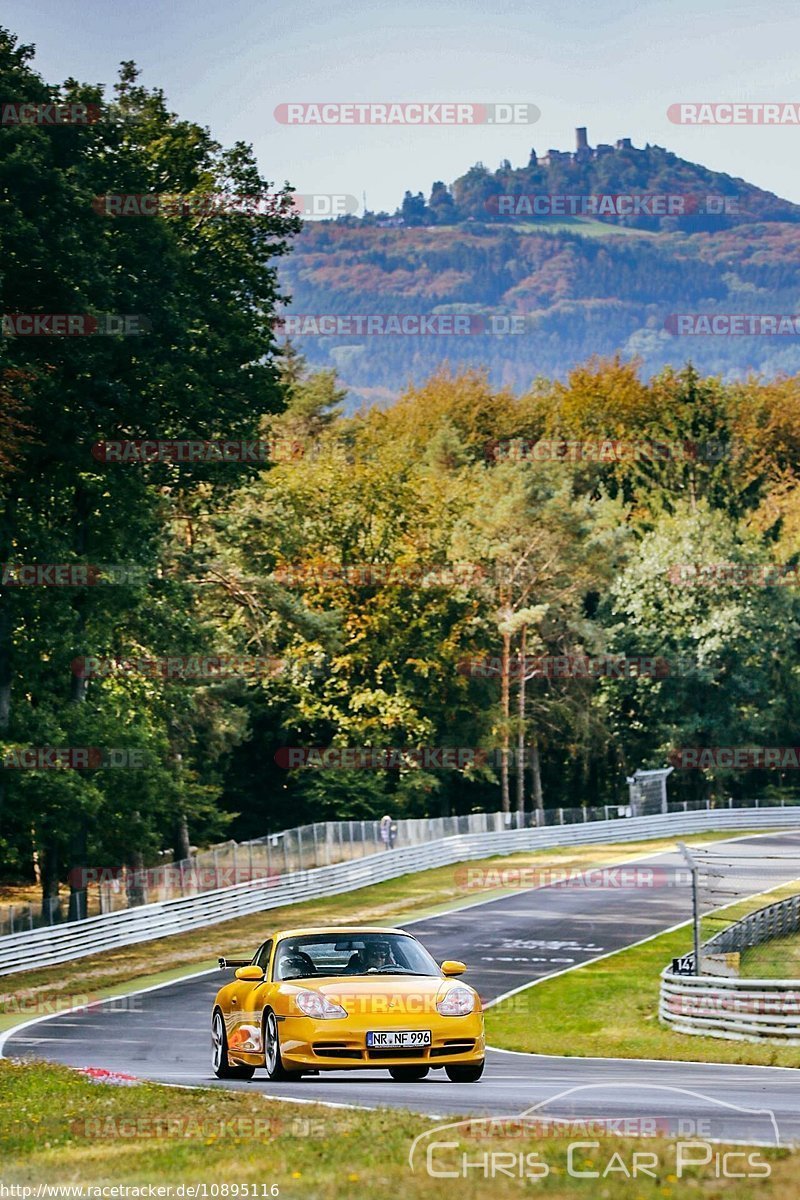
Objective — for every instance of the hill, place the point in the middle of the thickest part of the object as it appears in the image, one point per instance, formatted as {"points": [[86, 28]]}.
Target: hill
{"points": [[578, 282], [620, 186]]}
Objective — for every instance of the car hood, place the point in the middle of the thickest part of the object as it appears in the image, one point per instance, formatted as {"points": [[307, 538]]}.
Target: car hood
{"points": [[389, 993]]}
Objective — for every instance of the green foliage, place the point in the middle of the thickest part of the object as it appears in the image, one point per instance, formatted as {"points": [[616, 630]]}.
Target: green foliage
{"points": [[576, 555], [206, 287]]}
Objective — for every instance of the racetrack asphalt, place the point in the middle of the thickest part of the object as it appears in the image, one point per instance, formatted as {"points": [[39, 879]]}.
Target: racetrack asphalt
{"points": [[523, 935]]}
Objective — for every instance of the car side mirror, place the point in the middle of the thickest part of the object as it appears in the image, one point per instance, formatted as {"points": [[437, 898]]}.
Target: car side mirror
{"points": [[451, 966], [250, 974]]}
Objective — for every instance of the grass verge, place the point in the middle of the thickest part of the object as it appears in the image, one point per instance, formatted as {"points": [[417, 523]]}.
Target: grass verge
{"points": [[778, 959], [609, 1008], [57, 1128]]}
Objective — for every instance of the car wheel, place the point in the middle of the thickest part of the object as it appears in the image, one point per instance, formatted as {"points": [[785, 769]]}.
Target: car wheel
{"points": [[272, 1051], [408, 1074], [468, 1073], [221, 1067]]}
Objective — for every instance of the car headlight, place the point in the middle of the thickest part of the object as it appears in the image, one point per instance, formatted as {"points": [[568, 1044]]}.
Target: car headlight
{"points": [[457, 1002], [311, 1004]]}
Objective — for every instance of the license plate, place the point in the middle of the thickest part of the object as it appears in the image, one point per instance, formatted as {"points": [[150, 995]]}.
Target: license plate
{"points": [[389, 1038]]}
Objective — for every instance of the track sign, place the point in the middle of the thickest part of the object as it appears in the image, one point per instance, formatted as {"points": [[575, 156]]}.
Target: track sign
{"points": [[683, 965]]}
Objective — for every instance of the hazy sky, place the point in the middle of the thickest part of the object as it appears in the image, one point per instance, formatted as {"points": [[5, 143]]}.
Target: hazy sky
{"points": [[614, 67]]}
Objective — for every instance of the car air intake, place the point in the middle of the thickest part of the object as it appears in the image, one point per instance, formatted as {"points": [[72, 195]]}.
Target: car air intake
{"points": [[416, 1052], [453, 1046], [335, 1050]]}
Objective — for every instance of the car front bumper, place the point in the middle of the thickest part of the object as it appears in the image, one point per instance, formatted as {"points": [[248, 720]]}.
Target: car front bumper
{"points": [[339, 1045]]}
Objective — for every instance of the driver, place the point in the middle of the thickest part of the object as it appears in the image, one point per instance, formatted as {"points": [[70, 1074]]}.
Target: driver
{"points": [[376, 955], [294, 963]]}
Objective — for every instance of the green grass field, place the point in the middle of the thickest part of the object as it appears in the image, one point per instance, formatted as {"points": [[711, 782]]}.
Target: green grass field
{"points": [[778, 959], [57, 1128], [585, 226]]}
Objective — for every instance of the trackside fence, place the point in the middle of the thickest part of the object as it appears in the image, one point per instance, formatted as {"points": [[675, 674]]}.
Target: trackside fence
{"points": [[109, 888]]}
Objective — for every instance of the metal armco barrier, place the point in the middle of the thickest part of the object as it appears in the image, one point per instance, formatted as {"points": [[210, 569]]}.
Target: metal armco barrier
{"points": [[738, 1009], [773, 921], [112, 888], [62, 943]]}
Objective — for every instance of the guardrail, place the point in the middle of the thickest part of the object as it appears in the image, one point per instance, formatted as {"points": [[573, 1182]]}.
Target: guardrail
{"points": [[116, 888], [112, 888], [62, 943], [738, 1009], [773, 921]]}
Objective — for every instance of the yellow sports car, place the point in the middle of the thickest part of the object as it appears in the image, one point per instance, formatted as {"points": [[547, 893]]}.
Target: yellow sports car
{"points": [[314, 1000]]}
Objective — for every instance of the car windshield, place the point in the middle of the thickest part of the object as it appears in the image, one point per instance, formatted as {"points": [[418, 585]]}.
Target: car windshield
{"points": [[351, 954]]}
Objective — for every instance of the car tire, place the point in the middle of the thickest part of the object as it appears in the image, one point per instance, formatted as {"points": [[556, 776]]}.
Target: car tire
{"points": [[220, 1065], [466, 1073], [408, 1074], [273, 1062]]}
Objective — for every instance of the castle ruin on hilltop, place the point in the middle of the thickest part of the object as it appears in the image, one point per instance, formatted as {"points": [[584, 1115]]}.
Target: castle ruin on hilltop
{"points": [[583, 152]]}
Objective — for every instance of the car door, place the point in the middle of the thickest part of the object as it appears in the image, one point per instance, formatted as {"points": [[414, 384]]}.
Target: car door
{"points": [[247, 1005]]}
